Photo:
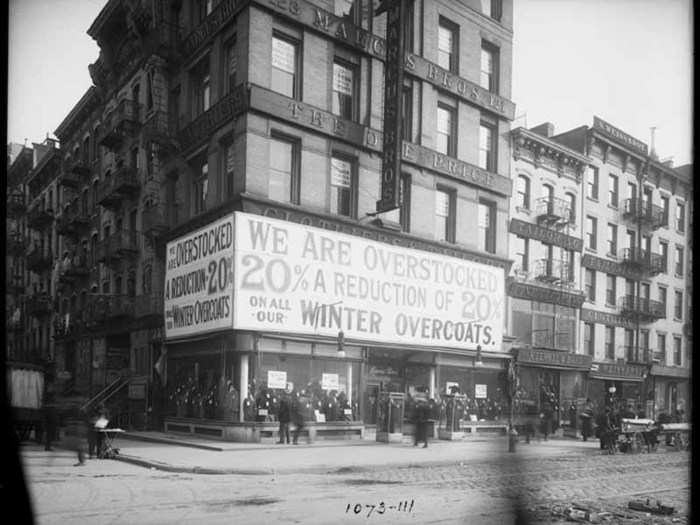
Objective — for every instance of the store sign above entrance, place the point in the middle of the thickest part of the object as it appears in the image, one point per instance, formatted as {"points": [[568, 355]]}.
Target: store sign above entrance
{"points": [[619, 135], [616, 371], [550, 358], [198, 280], [305, 280]]}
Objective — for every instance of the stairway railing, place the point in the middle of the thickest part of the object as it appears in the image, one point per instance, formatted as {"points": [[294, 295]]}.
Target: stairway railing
{"points": [[106, 393]]}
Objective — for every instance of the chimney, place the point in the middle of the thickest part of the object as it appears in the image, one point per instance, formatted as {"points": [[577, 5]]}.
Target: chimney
{"points": [[652, 149], [546, 129]]}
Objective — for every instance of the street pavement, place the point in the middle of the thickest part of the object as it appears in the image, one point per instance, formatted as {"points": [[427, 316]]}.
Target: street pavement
{"points": [[474, 481]]}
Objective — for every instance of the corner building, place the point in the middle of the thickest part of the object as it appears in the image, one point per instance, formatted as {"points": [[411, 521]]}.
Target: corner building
{"points": [[274, 110], [636, 271]]}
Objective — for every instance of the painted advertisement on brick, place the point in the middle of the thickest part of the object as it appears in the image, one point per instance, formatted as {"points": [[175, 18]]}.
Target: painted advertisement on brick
{"points": [[304, 280], [199, 281]]}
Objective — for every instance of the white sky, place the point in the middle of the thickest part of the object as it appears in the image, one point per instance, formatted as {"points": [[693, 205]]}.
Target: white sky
{"points": [[627, 61]]}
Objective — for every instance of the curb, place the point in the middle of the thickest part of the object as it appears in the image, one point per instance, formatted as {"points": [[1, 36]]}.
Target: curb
{"points": [[169, 441], [186, 470]]}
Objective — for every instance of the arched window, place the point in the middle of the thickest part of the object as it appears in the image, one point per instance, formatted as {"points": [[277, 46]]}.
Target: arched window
{"points": [[523, 192], [547, 192]]}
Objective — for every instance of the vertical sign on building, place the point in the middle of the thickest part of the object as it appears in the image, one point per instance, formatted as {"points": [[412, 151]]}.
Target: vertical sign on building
{"points": [[393, 103]]}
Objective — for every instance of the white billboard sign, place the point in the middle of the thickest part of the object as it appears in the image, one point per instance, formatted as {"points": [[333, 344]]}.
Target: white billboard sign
{"points": [[329, 382], [199, 280], [300, 279]]}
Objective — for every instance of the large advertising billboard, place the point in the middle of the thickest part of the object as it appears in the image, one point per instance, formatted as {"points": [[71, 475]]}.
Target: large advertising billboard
{"points": [[300, 279], [199, 280]]}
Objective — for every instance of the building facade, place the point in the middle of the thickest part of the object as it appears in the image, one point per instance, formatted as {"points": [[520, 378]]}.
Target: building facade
{"points": [[635, 271], [545, 288]]}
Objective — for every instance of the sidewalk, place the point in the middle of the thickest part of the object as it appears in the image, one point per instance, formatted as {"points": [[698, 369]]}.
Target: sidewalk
{"points": [[201, 456]]}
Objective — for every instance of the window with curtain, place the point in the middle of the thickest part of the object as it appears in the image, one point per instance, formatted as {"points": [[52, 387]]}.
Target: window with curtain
{"points": [[285, 66]]}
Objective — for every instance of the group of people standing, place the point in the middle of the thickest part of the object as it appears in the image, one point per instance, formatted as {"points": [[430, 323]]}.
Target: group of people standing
{"points": [[290, 411]]}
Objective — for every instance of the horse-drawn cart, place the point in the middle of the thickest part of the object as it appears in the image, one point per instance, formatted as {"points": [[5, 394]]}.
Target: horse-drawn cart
{"points": [[637, 435], [677, 435]]}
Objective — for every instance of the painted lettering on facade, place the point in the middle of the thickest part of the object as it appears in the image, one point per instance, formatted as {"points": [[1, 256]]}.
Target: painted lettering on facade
{"points": [[534, 231], [594, 316], [619, 135], [611, 267], [336, 27], [541, 294], [220, 16], [278, 106], [305, 280]]}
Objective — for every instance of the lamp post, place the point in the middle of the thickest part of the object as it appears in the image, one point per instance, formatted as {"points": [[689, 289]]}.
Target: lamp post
{"points": [[512, 389]]}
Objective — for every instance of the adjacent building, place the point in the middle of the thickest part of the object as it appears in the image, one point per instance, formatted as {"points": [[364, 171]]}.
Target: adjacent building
{"points": [[635, 270]]}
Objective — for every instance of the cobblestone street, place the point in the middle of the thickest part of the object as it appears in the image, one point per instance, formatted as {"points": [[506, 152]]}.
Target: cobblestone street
{"points": [[472, 491]]}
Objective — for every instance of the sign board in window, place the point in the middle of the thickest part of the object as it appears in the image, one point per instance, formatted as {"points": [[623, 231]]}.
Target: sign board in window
{"points": [[480, 391], [449, 385], [341, 171], [283, 55], [276, 379], [329, 382]]}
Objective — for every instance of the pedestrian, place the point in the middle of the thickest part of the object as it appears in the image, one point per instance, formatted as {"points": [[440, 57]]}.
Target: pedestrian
{"points": [[547, 414], [92, 433], [297, 417], [587, 420], [50, 424], [284, 418], [422, 416], [572, 417], [76, 433]]}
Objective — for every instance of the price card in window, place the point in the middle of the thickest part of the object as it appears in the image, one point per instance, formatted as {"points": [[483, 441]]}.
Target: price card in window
{"points": [[329, 381], [276, 379], [480, 391]]}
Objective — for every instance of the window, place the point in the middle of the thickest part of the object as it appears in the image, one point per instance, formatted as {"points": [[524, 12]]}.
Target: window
{"points": [[661, 347], [610, 342], [678, 306], [629, 345], [284, 168], [342, 187], [612, 239], [631, 240], [228, 171], [231, 65], [285, 66], [677, 351], [201, 87], [592, 184], [447, 45], [590, 285], [665, 205], [149, 90], [487, 226], [344, 100], [645, 290], [663, 298], [591, 232], [489, 67], [680, 216], [663, 251], [632, 190], [446, 130], [571, 201], [487, 145], [629, 287], [408, 29], [613, 190], [679, 260], [444, 215], [407, 113], [522, 253], [610, 289], [523, 192], [491, 8], [589, 338], [201, 185]]}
